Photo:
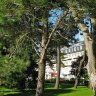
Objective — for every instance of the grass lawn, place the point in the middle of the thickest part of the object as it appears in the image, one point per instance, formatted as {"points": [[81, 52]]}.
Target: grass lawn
{"points": [[66, 90]]}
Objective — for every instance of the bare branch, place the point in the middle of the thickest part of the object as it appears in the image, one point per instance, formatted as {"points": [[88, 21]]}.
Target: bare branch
{"points": [[54, 29], [37, 52], [64, 37], [33, 41], [17, 45]]}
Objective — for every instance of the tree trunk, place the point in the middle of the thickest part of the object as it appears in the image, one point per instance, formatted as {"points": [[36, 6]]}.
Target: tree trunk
{"points": [[41, 79], [90, 43], [91, 58], [79, 70], [89, 84], [41, 64], [58, 68], [41, 69], [91, 66], [76, 82]]}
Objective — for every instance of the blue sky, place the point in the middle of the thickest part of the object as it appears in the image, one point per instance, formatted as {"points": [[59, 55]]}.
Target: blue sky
{"points": [[89, 25], [79, 36], [55, 14]]}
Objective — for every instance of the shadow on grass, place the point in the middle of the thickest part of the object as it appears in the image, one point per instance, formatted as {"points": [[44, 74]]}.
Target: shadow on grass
{"points": [[51, 92], [23, 93], [54, 92], [62, 85], [65, 88]]}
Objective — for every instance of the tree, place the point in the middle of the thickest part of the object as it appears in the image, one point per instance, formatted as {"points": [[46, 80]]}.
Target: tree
{"points": [[30, 20], [65, 35], [31, 73], [58, 67], [15, 26], [89, 37], [78, 68], [41, 74], [25, 23]]}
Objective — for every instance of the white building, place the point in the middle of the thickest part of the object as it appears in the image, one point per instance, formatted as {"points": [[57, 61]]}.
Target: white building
{"points": [[70, 54]]}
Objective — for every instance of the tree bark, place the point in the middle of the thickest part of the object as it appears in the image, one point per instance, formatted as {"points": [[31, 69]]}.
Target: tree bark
{"points": [[76, 82], [90, 43], [58, 68], [91, 66], [41, 69], [91, 63], [79, 70], [41, 78], [41, 64]]}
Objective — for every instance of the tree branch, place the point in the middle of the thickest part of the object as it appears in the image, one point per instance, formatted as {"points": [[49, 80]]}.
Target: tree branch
{"points": [[17, 45], [54, 29]]}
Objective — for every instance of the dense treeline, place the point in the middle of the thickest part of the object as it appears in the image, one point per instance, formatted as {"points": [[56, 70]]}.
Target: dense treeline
{"points": [[25, 31]]}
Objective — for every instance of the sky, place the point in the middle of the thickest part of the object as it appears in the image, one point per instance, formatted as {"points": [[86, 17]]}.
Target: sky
{"points": [[79, 36], [87, 22], [55, 14]]}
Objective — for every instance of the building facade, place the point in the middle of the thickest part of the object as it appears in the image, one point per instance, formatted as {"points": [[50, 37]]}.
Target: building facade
{"points": [[70, 54]]}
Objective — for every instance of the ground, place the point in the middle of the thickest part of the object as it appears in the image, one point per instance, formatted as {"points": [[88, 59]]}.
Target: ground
{"points": [[65, 90]]}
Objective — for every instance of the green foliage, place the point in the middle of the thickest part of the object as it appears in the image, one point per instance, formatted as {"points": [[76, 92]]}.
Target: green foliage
{"points": [[75, 66], [11, 9], [39, 2], [20, 21], [10, 69]]}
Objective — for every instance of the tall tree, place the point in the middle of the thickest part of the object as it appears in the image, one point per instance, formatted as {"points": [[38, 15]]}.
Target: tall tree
{"points": [[65, 35], [78, 68], [89, 37], [58, 67], [30, 20], [41, 61]]}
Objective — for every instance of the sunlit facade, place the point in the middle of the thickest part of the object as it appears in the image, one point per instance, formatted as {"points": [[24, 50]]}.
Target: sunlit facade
{"points": [[70, 54]]}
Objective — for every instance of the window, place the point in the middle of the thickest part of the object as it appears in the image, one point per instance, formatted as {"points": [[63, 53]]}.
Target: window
{"points": [[69, 50], [65, 51], [83, 47], [80, 47], [74, 48]]}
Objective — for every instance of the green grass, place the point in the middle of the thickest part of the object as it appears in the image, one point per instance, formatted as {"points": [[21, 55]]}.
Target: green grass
{"points": [[5, 91], [65, 90]]}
